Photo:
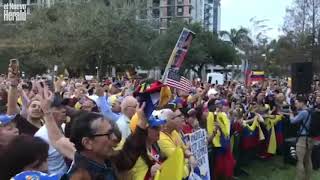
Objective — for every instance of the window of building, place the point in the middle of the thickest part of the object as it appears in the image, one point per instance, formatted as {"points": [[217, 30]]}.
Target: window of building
{"points": [[155, 13], [156, 3], [180, 1], [180, 11], [5, 1], [171, 11], [169, 21], [171, 2], [33, 1], [163, 23], [24, 1]]}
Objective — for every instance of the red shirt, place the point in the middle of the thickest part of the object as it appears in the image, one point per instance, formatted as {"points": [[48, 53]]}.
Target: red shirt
{"points": [[187, 128]]}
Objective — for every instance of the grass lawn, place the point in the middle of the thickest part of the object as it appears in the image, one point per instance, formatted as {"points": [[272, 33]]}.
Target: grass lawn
{"points": [[273, 169]]}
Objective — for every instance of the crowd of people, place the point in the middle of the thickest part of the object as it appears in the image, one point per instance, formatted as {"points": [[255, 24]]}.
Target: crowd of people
{"points": [[78, 129]]}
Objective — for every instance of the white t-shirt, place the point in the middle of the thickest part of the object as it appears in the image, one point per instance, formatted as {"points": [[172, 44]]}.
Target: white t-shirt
{"points": [[124, 126], [56, 163]]}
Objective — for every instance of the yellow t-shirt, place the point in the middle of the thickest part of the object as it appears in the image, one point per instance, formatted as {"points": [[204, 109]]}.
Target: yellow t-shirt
{"points": [[224, 123], [168, 144]]}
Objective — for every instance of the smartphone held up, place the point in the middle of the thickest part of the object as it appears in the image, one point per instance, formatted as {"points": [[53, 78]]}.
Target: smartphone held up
{"points": [[14, 68]]}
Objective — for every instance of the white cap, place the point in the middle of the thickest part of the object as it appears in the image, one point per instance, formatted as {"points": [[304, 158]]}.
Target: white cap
{"points": [[212, 92], [164, 113]]}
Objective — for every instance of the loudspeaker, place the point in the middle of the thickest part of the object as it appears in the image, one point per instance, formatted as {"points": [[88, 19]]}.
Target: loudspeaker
{"points": [[302, 75]]}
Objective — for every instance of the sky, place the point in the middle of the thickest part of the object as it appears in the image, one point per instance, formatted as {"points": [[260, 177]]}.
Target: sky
{"points": [[237, 13]]}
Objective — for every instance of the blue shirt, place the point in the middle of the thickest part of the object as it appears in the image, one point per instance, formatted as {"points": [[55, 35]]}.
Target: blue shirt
{"points": [[301, 117], [105, 109]]}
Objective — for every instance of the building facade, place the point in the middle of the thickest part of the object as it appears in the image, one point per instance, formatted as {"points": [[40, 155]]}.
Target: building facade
{"points": [[162, 12], [206, 12]]}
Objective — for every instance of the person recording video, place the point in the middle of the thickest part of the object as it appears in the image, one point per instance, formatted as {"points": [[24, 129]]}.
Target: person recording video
{"points": [[304, 142]]}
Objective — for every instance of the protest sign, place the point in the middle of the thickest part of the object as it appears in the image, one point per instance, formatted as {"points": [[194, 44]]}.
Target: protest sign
{"points": [[179, 52], [88, 77], [198, 145]]}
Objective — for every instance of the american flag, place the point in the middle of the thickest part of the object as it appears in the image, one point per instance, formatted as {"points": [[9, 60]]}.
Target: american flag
{"points": [[177, 81]]}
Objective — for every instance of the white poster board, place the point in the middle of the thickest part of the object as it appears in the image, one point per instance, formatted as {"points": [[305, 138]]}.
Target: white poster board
{"points": [[198, 145], [88, 77]]}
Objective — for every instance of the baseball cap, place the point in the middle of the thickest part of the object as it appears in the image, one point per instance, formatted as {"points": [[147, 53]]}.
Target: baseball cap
{"points": [[155, 119], [35, 175], [113, 99], [212, 92], [6, 119], [58, 101], [117, 84], [222, 102]]}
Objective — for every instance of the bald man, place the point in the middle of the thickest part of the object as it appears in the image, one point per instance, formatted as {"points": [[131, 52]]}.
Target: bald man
{"points": [[128, 109]]}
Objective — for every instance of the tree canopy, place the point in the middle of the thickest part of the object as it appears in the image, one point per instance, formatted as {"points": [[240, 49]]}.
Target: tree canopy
{"points": [[82, 36]]}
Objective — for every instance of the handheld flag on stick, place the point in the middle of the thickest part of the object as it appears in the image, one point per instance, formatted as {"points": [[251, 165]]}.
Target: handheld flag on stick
{"points": [[173, 79]]}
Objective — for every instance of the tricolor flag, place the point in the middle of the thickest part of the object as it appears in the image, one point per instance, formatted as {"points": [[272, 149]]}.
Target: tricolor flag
{"points": [[257, 75], [150, 94], [177, 81]]}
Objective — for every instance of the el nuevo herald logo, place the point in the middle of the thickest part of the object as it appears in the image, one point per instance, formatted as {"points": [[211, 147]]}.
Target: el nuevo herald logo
{"points": [[14, 12]]}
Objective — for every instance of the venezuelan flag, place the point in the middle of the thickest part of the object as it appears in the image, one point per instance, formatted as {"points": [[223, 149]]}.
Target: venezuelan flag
{"points": [[279, 133], [249, 138], [225, 162], [257, 75]]}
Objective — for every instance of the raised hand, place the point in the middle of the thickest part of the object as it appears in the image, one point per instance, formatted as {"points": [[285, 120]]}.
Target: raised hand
{"points": [[13, 76], [140, 111], [154, 169], [100, 91], [58, 85], [46, 97]]}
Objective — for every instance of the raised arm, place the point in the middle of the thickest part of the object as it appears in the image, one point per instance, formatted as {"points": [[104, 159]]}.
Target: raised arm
{"points": [[57, 139], [25, 102], [13, 90], [104, 106]]}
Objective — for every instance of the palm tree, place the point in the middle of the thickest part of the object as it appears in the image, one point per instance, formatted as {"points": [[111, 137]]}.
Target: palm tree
{"points": [[240, 40], [237, 37]]}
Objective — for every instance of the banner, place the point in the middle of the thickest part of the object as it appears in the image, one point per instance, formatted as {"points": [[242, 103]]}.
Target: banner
{"points": [[179, 52], [198, 144]]}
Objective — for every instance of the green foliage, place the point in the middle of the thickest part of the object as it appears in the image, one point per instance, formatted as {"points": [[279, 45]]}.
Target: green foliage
{"points": [[85, 35], [82, 36]]}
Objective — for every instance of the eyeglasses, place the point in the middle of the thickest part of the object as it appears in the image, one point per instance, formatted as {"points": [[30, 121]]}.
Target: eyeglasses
{"points": [[132, 106], [108, 134], [180, 115]]}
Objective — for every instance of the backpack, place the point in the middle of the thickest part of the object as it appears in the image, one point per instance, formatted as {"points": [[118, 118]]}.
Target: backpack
{"points": [[314, 118], [314, 130]]}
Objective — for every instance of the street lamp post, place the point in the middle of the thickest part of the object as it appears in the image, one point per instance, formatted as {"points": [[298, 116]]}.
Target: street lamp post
{"points": [[97, 69], [265, 59]]}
